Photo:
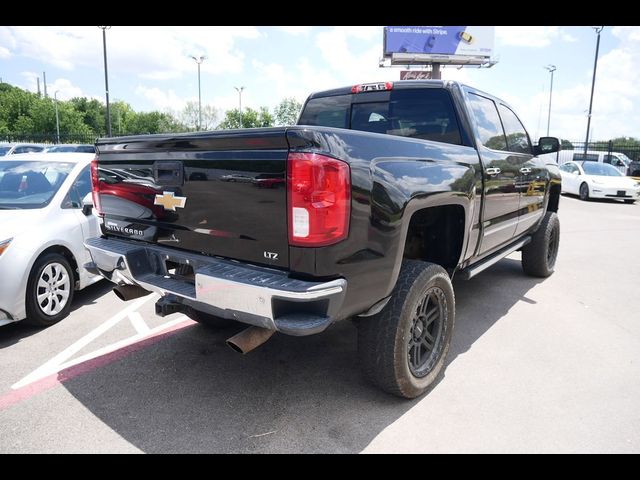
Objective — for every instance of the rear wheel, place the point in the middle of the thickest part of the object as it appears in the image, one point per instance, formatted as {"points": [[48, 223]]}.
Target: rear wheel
{"points": [[584, 192], [630, 201], [49, 290], [402, 349], [539, 256]]}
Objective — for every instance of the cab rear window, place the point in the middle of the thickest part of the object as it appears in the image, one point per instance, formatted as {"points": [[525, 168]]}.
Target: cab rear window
{"points": [[427, 114]]}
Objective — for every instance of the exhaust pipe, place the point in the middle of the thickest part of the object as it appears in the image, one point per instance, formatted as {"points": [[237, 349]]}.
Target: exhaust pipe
{"points": [[250, 338], [129, 292]]}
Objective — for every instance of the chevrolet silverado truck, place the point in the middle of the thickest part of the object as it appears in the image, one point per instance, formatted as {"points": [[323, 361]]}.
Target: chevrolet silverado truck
{"points": [[364, 210]]}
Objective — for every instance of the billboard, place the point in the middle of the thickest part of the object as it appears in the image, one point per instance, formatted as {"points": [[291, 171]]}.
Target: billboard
{"points": [[457, 41]]}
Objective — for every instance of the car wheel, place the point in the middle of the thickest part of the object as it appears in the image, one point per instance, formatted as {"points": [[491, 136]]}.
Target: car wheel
{"points": [[49, 290], [584, 191], [539, 256], [402, 349], [629, 201]]}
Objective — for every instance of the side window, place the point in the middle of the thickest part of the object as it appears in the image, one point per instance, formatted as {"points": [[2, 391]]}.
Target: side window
{"points": [[517, 138], [490, 130], [590, 157], [610, 159], [78, 190], [21, 150], [425, 113]]}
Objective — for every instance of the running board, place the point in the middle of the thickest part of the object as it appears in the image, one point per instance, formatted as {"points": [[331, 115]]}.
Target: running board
{"points": [[475, 269]]}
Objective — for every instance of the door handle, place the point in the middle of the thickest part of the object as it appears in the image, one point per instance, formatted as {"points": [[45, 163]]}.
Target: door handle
{"points": [[525, 170], [493, 171]]}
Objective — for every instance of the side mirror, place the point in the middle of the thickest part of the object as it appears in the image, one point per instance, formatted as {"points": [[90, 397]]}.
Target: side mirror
{"points": [[87, 204], [548, 145]]}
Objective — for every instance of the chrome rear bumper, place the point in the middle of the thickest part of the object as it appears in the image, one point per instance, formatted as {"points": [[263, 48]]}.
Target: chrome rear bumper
{"points": [[255, 295]]}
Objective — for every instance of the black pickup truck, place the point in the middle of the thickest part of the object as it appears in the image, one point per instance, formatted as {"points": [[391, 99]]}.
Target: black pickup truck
{"points": [[365, 210]]}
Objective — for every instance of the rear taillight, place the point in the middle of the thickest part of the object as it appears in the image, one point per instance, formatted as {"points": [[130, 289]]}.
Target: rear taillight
{"points": [[319, 190], [95, 187]]}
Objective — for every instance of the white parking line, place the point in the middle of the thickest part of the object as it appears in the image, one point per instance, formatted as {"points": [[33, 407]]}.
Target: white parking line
{"points": [[54, 365], [138, 323]]}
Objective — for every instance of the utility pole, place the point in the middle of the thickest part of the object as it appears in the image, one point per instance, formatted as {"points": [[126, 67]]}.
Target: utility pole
{"points": [[44, 80], [240, 97], [593, 83], [55, 98], [106, 76], [199, 61], [551, 68], [38, 82]]}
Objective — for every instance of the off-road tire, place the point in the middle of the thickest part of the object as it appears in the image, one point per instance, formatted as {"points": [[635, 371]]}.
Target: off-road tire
{"points": [[385, 339], [539, 256]]}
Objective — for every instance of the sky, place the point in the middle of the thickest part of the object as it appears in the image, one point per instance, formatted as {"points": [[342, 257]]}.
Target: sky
{"points": [[151, 68]]}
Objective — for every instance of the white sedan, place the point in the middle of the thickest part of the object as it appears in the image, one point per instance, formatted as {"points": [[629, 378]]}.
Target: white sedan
{"points": [[42, 229], [598, 180]]}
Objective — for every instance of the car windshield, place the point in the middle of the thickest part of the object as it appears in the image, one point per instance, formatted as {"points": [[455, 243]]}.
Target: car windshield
{"points": [[30, 184], [4, 151], [624, 158], [601, 169]]}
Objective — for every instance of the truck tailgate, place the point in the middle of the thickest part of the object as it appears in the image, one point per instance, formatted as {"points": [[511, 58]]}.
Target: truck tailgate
{"points": [[219, 193]]}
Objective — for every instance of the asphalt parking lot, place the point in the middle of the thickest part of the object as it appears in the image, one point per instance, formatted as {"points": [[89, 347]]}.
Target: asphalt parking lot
{"points": [[536, 366]]}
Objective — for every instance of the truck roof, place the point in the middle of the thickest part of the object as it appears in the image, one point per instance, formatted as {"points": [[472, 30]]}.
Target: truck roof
{"points": [[396, 84], [402, 84]]}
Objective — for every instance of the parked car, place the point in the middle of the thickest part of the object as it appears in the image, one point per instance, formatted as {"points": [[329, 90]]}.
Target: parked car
{"points": [[388, 190], [615, 159], [42, 229], [71, 147], [598, 180], [16, 148]]}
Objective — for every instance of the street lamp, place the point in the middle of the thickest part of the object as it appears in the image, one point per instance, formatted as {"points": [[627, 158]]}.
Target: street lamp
{"points": [[55, 98], [199, 60], [106, 76], [593, 83], [240, 98], [551, 68]]}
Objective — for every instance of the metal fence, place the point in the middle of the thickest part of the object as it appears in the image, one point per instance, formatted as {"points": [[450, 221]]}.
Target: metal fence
{"points": [[630, 149], [47, 138]]}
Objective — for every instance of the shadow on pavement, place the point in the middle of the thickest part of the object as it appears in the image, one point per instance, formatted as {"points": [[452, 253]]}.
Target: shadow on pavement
{"points": [[14, 332], [191, 393], [90, 294]]}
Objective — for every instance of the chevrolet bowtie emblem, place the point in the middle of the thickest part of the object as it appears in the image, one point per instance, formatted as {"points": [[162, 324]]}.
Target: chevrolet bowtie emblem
{"points": [[169, 202]]}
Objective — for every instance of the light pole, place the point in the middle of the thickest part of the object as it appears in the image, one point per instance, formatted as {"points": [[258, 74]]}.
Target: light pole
{"points": [[106, 76], [199, 60], [240, 99], [55, 99], [593, 83], [551, 68]]}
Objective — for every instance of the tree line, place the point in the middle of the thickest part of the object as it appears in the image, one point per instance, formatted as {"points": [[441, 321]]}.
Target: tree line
{"points": [[26, 113]]}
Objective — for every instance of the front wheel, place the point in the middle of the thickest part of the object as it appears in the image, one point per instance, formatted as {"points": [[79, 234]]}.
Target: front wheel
{"points": [[49, 290], [539, 256], [584, 192], [402, 349], [629, 201]]}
